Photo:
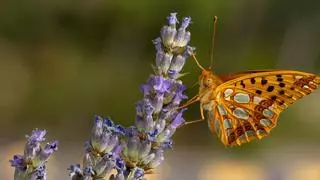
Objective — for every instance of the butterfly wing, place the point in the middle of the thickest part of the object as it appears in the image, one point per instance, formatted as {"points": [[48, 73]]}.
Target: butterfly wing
{"points": [[228, 77], [248, 107]]}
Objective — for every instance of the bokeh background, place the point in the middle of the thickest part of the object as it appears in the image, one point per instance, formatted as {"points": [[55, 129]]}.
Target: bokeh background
{"points": [[62, 62]]}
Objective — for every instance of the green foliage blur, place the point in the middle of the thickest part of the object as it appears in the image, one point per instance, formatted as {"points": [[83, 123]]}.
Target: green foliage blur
{"points": [[62, 62]]}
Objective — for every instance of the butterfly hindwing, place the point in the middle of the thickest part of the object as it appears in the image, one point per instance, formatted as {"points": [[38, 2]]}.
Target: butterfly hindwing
{"points": [[248, 106]]}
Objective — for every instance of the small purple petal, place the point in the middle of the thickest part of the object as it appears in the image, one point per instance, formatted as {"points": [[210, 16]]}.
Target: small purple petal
{"points": [[145, 89], [120, 165], [18, 162], [178, 120], [37, 135], [108, 122], [120, 129], [117, 150], [179, 94], [138, 173]]}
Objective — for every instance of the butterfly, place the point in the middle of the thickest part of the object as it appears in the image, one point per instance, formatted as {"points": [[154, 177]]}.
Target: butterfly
{"points": [[244, 106]]}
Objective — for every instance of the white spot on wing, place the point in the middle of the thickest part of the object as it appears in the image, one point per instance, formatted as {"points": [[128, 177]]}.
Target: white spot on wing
{"points": [[227, 94], [257, 100], [242, 98], [241, 113], [222, 110], [267, 113]]}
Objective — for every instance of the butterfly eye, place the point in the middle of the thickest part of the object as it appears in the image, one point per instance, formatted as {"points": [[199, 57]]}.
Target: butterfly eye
{"points": [[208, 82]]}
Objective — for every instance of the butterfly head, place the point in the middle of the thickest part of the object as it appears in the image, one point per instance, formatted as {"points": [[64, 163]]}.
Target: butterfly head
{"points": [[208, 80]]}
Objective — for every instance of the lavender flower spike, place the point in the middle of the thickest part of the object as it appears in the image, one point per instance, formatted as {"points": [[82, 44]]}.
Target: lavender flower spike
{"points": [[102, 151], [137, 150], [157, 117], [32, 164]]}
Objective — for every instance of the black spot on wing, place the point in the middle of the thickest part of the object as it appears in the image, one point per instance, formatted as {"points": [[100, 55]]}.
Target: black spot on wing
{"points": [[270, 88], [264, 81], [258, 91]]}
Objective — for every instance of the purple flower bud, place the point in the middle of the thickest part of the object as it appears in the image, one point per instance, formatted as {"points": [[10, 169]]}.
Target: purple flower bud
{"points": [[97, 129], [144, 149], [104, 166], [157, 160], [159, 58], [177, 63], [165, 63], [147, 107], [164, 135], [161, 124], [32, 149], [168, 34], [158, 44], [133, 148], [148, 159], [185, 22], [182, 38], [147, 123], [172, 19], [48, 150], [157, 102]]}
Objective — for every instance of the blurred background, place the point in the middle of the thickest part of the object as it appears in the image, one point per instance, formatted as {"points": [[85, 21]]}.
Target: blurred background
{"points": [[62, 62]]}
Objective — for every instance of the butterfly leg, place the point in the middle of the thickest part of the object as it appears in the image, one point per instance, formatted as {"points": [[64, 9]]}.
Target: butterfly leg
{"points": [[201, 111], [194, 121], [190, 101]]}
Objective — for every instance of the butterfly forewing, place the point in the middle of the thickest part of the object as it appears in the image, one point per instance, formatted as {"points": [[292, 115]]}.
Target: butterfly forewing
{"points": [[248, 106]]}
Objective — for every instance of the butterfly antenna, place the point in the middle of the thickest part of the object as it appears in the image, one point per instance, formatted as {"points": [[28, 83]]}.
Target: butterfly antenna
{"points": [[215, 19], [199, 65]]}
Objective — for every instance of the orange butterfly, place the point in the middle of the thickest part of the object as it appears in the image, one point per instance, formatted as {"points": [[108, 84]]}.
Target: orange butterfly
{"points": [[245, 106]]}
